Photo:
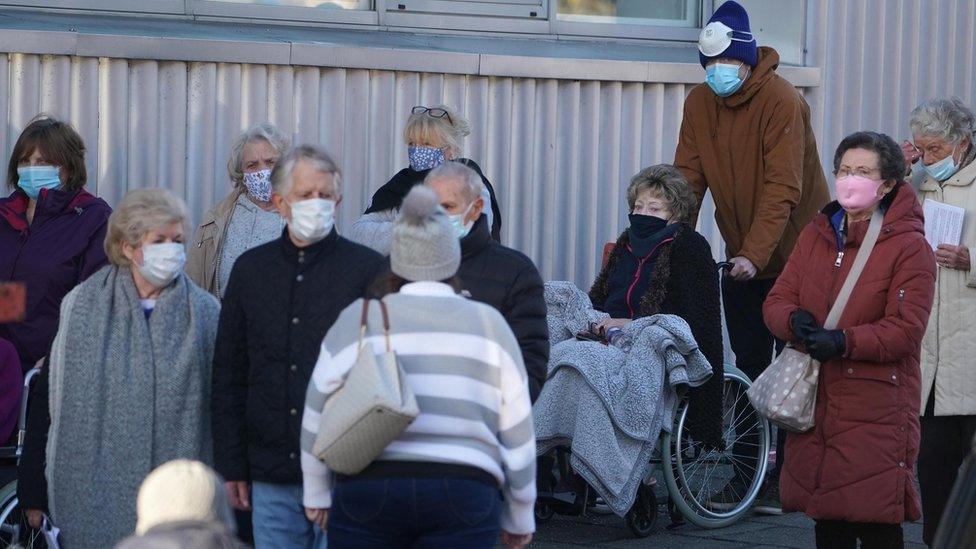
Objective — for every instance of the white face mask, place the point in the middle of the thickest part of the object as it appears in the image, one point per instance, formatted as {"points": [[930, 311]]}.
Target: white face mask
{"points": [[461, 229], [162, 263], [312, 219]]}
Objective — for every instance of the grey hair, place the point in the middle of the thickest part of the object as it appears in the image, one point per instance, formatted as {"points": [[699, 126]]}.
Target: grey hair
{"points": [[263, 131], [946, 118], [456, 171], [281, 174]]}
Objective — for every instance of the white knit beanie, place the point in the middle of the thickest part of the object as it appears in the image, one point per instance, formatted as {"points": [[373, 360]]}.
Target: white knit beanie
{"points": [[425, 246], [182, 490]]}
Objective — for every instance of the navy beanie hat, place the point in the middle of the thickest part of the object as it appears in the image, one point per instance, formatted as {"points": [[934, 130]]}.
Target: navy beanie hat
{"points": [[735, 17]]}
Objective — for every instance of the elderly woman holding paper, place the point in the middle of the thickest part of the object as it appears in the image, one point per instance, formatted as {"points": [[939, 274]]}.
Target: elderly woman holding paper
{"points": [[853, 472], [942, 130]]}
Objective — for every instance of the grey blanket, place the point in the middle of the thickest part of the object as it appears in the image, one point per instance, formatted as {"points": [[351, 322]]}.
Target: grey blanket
{"points": [[126, 395], [609, 406]]}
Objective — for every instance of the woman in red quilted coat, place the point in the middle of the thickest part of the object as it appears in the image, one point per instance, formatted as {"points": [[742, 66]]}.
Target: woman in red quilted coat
{"points": [[854, 471]]}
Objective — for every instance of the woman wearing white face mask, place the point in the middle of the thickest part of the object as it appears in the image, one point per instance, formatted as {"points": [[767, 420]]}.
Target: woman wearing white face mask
{"points": [[246, 218], [433, 136], [942, 130], [129, 374]]}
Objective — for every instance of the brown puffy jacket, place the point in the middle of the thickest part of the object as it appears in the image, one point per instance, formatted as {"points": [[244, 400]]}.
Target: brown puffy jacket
{"points": [[756, 152], [857, 463]]}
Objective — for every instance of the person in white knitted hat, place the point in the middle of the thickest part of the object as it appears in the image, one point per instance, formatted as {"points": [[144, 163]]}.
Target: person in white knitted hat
{"points": [[465, 468], [182, 504]]}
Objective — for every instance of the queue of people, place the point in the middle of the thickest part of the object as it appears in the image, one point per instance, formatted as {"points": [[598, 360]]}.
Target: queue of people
{"points": [[226, 353]]}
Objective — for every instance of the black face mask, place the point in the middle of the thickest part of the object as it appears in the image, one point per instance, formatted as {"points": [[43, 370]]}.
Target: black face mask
{"points": [[645, 226]]}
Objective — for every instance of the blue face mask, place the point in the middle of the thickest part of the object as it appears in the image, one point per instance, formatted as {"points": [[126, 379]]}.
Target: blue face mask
{"points": [[943, 169], [723, 79], [424, 158], [31, 179]]}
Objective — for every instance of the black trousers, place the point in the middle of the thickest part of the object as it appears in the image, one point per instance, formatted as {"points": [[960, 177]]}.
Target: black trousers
{"points": [[837, 534], [946, 440], [752, 343]]}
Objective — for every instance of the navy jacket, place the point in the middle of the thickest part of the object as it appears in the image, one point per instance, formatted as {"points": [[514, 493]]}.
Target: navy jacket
{"points": [[280, 302]]}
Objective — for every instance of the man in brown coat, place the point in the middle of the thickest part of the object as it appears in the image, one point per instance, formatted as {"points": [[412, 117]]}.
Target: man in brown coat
{"points": [[746, 136]]}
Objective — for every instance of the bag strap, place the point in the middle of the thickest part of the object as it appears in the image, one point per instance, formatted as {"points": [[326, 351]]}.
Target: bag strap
{"points": [[861, 259], [386, 324], [363, 321]]}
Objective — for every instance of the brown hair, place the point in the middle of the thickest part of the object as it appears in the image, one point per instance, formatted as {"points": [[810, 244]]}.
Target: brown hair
{"points": [[58, 142], [665, 182]]}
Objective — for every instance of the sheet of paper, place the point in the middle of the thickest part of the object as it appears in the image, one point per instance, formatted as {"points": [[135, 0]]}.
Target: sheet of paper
{"points": [[943, 223]]}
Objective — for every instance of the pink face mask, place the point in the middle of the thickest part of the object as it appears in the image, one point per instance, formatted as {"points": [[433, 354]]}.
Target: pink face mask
{"points": [[857, 193]]}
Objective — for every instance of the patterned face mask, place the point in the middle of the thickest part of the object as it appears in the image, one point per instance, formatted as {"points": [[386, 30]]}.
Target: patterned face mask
{"points": [[424, 158], [258, 185]]}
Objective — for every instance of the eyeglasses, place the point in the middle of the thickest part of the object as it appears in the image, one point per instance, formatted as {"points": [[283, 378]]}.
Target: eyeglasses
{"points": [[860, 172], [433, 113]]}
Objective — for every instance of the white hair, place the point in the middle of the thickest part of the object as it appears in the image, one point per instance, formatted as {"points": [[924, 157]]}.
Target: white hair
{"points": [[459, 173], [281, 179], [263, 131], [944, 118]]}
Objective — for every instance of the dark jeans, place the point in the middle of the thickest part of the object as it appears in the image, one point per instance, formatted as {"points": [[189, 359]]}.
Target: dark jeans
{"points": [[753, 346], [837, 534], [414, 512], [946, 441]]}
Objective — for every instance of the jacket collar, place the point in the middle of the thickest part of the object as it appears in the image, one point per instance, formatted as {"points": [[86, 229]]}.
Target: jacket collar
{"points": [[308, 253], [963, 178], [50, 202], [222, 211], [477, 239], [428, 288]]}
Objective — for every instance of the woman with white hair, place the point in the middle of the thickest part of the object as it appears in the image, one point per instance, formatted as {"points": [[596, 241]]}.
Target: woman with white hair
{"points": [[942, 130], [246, 218], [129, 374], [433, 135]]}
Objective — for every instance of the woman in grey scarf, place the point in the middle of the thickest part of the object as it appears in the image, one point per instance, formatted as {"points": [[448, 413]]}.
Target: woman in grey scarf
{"points": [[129, 373]]}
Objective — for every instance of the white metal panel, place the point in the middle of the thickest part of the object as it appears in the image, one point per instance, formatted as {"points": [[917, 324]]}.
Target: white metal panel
{"points": [[559, 152]]}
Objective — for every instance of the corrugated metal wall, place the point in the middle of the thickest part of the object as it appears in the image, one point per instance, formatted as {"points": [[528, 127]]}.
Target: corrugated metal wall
{"points": [[881, 58], [559, 152]]}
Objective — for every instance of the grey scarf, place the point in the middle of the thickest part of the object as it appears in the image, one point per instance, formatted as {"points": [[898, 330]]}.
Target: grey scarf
{"points": [[127, 394]]}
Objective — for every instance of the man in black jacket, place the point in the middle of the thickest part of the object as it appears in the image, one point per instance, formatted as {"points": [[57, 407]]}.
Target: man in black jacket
{"points": [[282, 298], [491, 273]]}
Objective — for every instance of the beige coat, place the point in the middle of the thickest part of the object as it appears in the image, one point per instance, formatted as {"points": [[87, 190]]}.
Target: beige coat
{"points": [[203, 258], [949, 347]]}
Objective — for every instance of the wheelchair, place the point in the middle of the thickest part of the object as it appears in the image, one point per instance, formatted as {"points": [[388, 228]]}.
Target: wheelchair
{"points": [[693, 474], [14, 531]]}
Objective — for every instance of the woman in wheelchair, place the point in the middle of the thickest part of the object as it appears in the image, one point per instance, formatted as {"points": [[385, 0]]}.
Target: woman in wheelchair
{"points": [[660, 265]]}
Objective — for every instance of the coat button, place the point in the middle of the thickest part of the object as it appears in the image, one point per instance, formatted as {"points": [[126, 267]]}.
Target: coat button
{"points": [[294, 367], [292, 455], [850, 370], [294, 412], [300, 278], [894, 377], [901, 464], [294, 320]]}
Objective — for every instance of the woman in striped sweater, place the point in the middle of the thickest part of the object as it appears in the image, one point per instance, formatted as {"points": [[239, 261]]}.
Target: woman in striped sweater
{"points": [[465, 468]]}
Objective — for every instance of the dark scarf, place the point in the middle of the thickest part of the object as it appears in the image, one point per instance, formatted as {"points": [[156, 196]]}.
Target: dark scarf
{"points": [[647, 232]]}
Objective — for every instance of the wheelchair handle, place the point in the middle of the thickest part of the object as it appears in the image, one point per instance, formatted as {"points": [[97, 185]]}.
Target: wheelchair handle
{"points": [[726, 265]]}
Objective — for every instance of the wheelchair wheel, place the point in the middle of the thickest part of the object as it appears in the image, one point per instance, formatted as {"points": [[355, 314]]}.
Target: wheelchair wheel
{"points": [[642, 517], [10, 523], [713, 488]]}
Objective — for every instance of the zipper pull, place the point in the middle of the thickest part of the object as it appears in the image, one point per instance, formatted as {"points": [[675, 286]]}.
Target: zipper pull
{"points": [[840, 257], [901, 295]]}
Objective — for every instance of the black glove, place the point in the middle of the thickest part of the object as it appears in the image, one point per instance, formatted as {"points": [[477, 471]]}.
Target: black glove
{"points": [[825, 345], [802, 324]]}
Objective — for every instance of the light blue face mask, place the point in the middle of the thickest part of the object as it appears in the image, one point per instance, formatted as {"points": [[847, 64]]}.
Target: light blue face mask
{"points": [[31, 179], [943, 169], [723, 79]]}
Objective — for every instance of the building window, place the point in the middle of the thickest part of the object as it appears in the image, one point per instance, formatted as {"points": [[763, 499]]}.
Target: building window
{"points": [[319, 4], [678, 13]]}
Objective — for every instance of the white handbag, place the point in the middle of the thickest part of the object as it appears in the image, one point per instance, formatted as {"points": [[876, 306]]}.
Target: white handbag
{"points": [[371, 408], [786, 392]]}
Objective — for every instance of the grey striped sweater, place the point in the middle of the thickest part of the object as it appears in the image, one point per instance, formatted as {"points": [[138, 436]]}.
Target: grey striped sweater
{"points": [[465, 367]]}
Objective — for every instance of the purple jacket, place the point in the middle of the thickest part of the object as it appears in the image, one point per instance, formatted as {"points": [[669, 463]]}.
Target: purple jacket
{"points": [[11, 380], [62, 247]]}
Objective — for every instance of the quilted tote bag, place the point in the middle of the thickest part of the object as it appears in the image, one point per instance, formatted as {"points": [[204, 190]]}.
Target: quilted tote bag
{"points": [[371, 408], [786, 392]]}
